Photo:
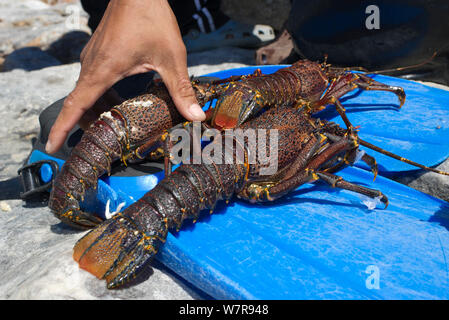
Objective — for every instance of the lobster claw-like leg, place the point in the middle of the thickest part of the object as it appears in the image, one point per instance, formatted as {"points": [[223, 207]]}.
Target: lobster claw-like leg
{"points": [[116, 250], [79, 220], [71, 214]]}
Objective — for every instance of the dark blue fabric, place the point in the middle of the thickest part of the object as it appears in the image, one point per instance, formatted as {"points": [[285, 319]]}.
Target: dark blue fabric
{"points": [[410, 31]]}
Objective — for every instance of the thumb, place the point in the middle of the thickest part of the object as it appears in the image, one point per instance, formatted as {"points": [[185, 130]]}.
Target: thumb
{"points": [[182, 94], [81, 99]]}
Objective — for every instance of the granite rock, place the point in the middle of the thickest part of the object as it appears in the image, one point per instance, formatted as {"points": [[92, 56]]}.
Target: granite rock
{"points": [[33, 23]]}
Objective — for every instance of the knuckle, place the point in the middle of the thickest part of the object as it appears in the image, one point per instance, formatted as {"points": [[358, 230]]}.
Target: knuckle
{"points": [[185, 87], [71, 102]]}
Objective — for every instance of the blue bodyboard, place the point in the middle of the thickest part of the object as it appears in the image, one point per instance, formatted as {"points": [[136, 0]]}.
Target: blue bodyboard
{"points": [[319, 243]]}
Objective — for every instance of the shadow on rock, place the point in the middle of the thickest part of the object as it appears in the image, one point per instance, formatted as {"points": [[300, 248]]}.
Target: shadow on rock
{"points": [[10, 189], [61, 228], [65, 50], [29, 59], [441, 217]]}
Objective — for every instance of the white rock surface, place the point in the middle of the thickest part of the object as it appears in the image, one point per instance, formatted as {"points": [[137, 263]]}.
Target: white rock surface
{"points": [[36, 263], [35, 23], [23, 96]]}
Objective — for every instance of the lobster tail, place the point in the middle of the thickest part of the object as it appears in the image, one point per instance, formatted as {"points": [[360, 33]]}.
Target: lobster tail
{"points": [[90, 159], [117, 134], [67, 209], [119, 249], [114, 253]]}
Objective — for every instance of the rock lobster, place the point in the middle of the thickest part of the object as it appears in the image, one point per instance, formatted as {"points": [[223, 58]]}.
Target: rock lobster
{"points": [[308, 150], [136, 128]]}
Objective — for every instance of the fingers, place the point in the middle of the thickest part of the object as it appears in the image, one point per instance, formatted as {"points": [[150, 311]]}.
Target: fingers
{"points": [[81, 99], [177, 80]]}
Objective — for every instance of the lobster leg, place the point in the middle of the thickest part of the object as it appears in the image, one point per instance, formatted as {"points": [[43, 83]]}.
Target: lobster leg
{"points": [[268, 190], [167, 142], [350, 158], [367, 83], [338, 182], [349, 82], [254, 191], [194, 140], [341, 111]]}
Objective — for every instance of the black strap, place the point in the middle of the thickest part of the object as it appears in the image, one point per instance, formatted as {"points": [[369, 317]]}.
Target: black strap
{"points": [[31, 181]]}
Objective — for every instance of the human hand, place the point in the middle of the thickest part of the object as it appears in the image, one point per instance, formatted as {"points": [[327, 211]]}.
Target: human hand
{"points": [[133, 37]]}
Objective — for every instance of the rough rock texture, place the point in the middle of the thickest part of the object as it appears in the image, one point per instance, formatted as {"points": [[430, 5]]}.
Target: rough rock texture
{"points": [[22, 98], [36, 263], [33, 23]]}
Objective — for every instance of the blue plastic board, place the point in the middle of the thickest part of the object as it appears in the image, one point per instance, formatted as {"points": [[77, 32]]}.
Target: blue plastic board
{"points": [[418, 131], [319, 243], [316, 243]]}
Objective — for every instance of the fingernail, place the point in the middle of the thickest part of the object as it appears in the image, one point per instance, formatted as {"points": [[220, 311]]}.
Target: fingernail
{"points": [[196, 112], [48, 147]]}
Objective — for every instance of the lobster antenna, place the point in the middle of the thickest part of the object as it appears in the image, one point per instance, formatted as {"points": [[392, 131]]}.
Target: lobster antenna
{"points": [[324, 64], [392, 155], [428, 60]]}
